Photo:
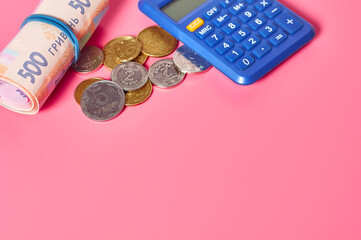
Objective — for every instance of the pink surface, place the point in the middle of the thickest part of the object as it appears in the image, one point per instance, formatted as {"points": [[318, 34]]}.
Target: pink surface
{"points": [[276, 160]]}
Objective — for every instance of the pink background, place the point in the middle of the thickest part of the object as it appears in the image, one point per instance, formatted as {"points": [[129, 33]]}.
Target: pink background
{"points": [[276, 160]]}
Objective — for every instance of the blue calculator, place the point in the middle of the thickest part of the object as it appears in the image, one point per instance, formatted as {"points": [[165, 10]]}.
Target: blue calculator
{"points": [[244, 39]]}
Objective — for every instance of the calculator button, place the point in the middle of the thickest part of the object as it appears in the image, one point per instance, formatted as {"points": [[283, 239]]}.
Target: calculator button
{"points": [[245, 62], [267, 30], [237, 8], [197, 23], [278, 38], [234, 55], [224, 47], [274, 11], [257, 23], [212, 12], [251, 42], [247, 15], [226, 3], [220, 20], [241, 34], [214, 39], [289, 23], [205, 31], [231, 27], [262, 50], [261, 5]]}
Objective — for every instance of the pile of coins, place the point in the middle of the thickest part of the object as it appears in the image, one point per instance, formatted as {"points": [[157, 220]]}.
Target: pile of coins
{"points": [[131, 84]]}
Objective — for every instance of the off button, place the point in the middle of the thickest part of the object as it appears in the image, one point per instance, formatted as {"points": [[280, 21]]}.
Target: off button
{"points": [[195, 24]]}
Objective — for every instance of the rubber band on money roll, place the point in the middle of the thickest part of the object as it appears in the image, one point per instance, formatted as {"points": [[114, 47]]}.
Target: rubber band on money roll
{"points": [[58, 24]]}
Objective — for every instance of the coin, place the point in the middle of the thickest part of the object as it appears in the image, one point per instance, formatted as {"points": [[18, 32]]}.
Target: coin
{"points": [[102, 101], [130, 76], [82, 86], [157, 42], [91, 59], [139, 96], [164, 74], [122, 49], [188, 61], [141, 59]]}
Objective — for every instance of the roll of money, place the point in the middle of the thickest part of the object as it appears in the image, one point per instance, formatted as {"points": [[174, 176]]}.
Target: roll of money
{"points": [[37, 58]]}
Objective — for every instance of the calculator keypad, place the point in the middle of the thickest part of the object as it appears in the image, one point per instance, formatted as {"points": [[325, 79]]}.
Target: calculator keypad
{"points": [[245, 31]]}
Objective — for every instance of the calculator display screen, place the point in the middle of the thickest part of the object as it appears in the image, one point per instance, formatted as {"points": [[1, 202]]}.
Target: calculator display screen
{"points": [[178, 9]]}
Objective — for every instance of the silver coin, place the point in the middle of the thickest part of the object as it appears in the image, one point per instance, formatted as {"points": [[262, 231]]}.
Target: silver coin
{"points": [[188, 61], [130, 76], [102, 101], [90, 60], [164, 74]]}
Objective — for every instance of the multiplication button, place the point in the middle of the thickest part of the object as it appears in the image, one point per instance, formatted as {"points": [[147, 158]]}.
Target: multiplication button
{"points": [[261, 5]]}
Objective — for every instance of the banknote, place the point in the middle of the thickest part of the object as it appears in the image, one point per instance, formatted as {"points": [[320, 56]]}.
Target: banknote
{"points": [[34, 62]]}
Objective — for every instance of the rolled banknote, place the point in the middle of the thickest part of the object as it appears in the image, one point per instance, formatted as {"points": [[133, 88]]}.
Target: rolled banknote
{"points": [[34, 62]]}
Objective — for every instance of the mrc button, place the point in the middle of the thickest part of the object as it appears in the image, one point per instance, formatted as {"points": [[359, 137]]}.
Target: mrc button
{"points": [[205, 31]]}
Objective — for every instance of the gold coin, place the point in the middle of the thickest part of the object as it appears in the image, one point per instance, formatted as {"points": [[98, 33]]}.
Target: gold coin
{"points": [[141, 59], [82, 86], [121, 49], [157, 42], [139, 96]]}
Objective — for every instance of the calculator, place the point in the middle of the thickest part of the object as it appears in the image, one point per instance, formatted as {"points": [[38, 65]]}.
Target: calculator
{"points": [[244, 39]]}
